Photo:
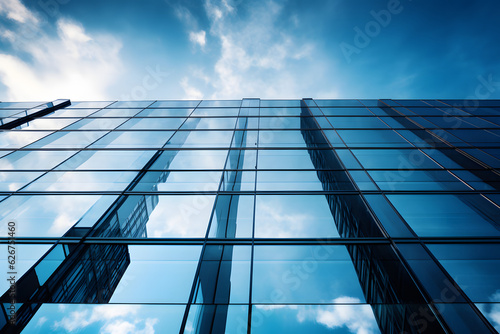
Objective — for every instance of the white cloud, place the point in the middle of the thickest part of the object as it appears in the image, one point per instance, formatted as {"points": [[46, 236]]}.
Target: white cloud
{"points": [[75, 320], [127, 327], [346, 312], [198, 38], [492, 310], [257, 57], [41, 321], [16, 11], [358, 319], [70, 64], [190, 91], [116, 319]]}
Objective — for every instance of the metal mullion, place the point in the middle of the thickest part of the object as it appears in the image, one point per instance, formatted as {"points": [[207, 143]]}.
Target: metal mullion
{"points": [[202, 253]]}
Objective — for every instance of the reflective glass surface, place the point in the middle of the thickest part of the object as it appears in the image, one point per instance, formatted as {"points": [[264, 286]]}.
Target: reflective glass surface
{"points": [[251, 216]]}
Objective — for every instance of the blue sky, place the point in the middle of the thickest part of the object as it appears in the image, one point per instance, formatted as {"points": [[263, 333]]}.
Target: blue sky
{"points": [[120, 50]]}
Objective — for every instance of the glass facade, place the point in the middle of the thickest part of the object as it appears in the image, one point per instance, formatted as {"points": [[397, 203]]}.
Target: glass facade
{"points": [[250, 216]]}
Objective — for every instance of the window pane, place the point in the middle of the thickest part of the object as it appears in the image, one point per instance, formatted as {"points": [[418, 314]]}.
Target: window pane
{"points": [[63, 318], [134, 139], [298, 319], [448, 215], [82, 181], [233, 217], [73, 139], [37, 160], [47, 215], [372, 138], [304, 274], [388, 159], [104, 160], [180, 216], [289, 180], [153, 124], [18, 139], [357, 122], [96, 124], [293, 216], [139, 284]]}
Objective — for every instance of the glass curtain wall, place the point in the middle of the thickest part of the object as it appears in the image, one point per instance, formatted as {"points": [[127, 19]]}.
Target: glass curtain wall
{"points": [[250, 216]]}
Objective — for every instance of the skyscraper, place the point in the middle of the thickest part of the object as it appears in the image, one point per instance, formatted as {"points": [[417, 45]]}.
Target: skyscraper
{"points": [[251, 216]]}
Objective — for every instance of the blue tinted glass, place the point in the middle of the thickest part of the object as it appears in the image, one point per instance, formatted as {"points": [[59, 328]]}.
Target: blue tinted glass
{"points": [[339, 103], [417, 180], [96, 124], [216, 112], [220, 103], [348, 159], [47, 215], [233, 217], [12, 181], [448, 215], [477, 137], [46, 268], [49, 123], [107, 160], [475, 268], [387, 159], [427, 111], [116, 112], [210, 123], [357, 122], [388, 216], [147, 263], [238, 181], [165, 112], [280, 111], [412, 103], [228, 319], [130, 104], [281, 123], [28, 255], [293, 216], [187, 159], [179, 181], [82, 181], [284, 159], [288, 180], [303, 274], [174, 104], [66, 112], [362, 180], [18, 139], [180, 216], [153, 123], [293, 138], [90, 104], [280, 103], [134, 139], [63, 318], [346, 111], [372, 138], [196, 139], [73, 139], [298, 319], [37, 160]]}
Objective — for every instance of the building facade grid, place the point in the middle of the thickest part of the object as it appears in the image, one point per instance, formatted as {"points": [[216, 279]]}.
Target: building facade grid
{"points": [[252, 216]]}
